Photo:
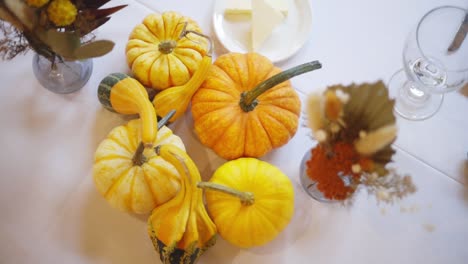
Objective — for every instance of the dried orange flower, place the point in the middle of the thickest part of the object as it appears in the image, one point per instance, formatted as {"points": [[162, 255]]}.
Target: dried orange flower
{"points": [[333, 106]]}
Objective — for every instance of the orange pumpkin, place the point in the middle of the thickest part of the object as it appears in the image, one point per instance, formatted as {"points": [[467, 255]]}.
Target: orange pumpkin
{"points": [[246, 106]]}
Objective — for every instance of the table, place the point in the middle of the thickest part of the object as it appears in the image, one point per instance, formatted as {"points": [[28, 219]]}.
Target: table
{"points": [[52, 213]]}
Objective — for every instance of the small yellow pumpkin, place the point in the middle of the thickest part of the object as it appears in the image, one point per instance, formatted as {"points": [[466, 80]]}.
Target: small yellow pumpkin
{"points": [[157, 53], [266, 201], [131, 177], [247, 106]]}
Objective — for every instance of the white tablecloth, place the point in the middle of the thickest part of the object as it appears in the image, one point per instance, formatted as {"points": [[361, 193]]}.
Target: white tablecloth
{"points": [[52, 213]]}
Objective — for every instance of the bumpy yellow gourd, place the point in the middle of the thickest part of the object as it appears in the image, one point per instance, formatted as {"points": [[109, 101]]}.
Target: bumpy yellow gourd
{"points": [[181, 229], [178, 97], [250, 201], [120, 93]]}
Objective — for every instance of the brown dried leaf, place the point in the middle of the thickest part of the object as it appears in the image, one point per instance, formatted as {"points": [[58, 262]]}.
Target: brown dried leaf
{"points": [[94, 3], [100, 13], [92, 25], [24, 14]]}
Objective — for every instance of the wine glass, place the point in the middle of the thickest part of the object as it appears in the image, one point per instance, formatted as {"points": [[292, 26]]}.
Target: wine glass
{"points": [[435, 59]]}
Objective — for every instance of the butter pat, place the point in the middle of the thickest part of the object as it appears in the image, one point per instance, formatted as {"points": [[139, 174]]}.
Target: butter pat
{"points": [[235, 7], [265, 19], [244, 7]]}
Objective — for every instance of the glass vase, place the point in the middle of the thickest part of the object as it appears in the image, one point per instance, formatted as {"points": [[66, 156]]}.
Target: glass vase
{"points": [[62, 76], [309, 185]]}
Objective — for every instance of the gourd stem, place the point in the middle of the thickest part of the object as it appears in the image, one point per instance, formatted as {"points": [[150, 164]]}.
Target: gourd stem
{"points": [[185, 32], [248, 100], [166, 119], [138, 158], [167, 46], [246, 198]]}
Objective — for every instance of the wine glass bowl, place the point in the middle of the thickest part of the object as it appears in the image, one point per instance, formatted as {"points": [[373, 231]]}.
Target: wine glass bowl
{"points": [[432, 63]]}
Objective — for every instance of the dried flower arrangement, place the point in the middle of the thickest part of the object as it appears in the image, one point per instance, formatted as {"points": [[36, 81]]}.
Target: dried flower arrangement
{"points": [[54, 28], [355, 127]]}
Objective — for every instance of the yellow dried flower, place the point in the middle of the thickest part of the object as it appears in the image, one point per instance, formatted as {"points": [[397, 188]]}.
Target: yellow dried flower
{"points": [[333, 106], [62, 12], [314, 112], [36, 3]]}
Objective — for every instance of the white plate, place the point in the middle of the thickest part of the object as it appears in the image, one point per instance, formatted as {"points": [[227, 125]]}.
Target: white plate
{"points": [[233, 31]]}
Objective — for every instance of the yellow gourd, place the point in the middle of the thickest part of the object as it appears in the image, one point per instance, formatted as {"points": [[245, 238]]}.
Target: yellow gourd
{"points": [[181, 229], [250, 201], [120, 93], [178, 97]]}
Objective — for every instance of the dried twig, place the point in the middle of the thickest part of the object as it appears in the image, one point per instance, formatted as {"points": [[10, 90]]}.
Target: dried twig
{"points": [[12, 42]]}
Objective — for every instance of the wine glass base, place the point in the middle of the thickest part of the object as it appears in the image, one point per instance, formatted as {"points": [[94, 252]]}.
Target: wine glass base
{"points": [[410, 102]]}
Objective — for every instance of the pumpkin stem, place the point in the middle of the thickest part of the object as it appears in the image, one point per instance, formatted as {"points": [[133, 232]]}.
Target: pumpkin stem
{"points": [[246, 198], [249, 101], [138, 158], [166, 47]]}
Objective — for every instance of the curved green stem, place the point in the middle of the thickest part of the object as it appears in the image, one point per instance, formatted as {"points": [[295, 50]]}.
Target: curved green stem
{"points": [[248, 100], [246, 198]]}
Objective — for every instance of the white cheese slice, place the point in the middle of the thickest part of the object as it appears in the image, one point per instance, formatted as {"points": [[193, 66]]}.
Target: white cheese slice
{"points": [[280, 5], [236, 7], [265, 19]]}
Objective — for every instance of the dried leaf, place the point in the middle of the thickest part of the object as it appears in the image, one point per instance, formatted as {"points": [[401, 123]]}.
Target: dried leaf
{"points": [[376, 140], [23, 13], [5, 16], [100, 13], [92, 25], [369, 107], [94, 49], [95, 3], [62, 43]]}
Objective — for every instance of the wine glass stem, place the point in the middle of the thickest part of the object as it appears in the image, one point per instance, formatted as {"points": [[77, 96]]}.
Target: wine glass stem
{"points": [[415, 95]]}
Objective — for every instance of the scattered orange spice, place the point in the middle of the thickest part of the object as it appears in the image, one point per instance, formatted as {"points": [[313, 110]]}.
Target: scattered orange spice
{"points": [[366, 164], [327, 163]]}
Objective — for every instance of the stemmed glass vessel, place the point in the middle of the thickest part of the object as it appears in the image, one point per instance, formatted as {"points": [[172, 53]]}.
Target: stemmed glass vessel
{"points": [[62, 76], [435, 59]]}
